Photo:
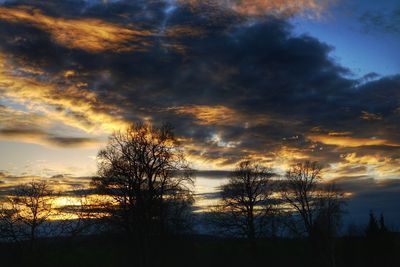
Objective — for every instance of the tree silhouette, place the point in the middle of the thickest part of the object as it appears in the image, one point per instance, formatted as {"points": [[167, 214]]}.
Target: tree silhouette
{"points": [[246, 201], [382, 225], [373, 226], [299, 190], [380, 242], [144, 172], [317, 207], [26, 211]]}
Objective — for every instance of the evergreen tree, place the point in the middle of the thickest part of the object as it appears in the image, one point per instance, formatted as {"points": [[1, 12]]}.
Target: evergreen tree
{"points": [[372, 227], [382, 225]]}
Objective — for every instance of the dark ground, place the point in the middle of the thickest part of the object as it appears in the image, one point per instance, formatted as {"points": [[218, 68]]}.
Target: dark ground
{"points": [[198, 251]]}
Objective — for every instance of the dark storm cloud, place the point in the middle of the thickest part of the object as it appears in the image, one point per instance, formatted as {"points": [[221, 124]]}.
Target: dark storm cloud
{"points": [[233, 87]]}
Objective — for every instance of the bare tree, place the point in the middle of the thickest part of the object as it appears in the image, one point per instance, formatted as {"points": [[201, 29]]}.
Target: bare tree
{"points": [[300, 192], [143, 171], [8, 227], [26, 211], [246, 202], [316, 206]]}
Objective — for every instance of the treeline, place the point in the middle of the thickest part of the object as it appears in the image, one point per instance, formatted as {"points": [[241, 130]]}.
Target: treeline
{"points": [[144, 190]]}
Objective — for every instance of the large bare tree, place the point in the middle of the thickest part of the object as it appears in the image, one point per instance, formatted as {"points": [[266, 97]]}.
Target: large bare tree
{"points": [[246, 203], [144, 172]]}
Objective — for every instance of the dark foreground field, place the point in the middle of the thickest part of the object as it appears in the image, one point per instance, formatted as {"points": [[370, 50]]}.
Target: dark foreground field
{"points": [[198, 251]]}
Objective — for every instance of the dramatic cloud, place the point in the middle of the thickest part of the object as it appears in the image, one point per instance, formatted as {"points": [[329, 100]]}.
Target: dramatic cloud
{"points": [[231, 76]]}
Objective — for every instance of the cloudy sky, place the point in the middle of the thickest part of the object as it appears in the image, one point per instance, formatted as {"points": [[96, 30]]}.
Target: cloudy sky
{"points": [[275, 81]]}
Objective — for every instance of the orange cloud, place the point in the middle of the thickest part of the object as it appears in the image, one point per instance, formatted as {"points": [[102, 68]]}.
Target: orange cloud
{"points": [[92, 35], [345, 141]]}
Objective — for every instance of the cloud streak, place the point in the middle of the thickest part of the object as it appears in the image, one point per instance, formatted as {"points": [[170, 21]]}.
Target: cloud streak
{"points": [[346, 141]]}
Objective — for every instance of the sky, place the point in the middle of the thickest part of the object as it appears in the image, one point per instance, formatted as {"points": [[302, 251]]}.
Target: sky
{"points": [[275, 81]]}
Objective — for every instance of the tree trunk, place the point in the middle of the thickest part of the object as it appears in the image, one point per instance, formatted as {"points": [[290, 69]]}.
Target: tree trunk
{"points": [[33, 236]]}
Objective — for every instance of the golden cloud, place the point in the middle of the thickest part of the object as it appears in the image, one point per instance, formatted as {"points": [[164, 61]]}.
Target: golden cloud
{"points": [[346, 141], [372, 165], [92, 35], [10, 118], [219, 115], [353, 158], [382, 165], [281, 8], [71, 106], [339, 133], [207, 115], [16, 125]]}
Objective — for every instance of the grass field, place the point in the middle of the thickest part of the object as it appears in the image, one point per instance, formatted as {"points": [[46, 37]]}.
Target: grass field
{"points": [[197, 251]]}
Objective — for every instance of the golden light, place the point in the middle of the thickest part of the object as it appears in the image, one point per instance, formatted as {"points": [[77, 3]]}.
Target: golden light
{"points": [[346, 141]]}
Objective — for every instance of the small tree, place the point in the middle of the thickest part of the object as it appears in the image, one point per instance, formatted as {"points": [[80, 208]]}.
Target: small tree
{"points": [[26, 211], [246, 202]]}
